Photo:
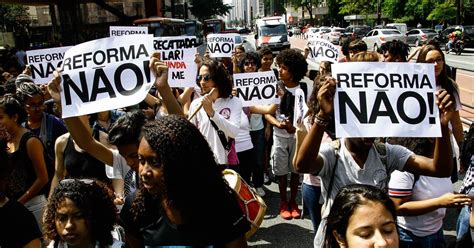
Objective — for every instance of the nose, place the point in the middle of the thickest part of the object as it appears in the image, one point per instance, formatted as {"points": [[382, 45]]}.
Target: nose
{"points": [[144, 169], [380, 240], [69, 224]]}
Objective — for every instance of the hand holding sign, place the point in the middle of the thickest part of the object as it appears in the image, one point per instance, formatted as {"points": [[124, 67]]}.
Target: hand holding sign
{"points": [[326, 98], [54, 87], [160, 69], [446, 106]]}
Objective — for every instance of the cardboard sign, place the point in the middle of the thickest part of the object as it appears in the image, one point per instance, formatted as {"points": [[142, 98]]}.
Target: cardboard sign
{"points": [[221, 45], [106, 74], [178, 53], [127, 30], [322, 50], [300, 107], [44, 62], [257, 88], [375, 99]]}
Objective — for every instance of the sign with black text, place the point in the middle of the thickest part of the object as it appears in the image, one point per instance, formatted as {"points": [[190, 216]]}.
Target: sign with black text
{"points": [[127, 30], [221, 45], [178, 53], [106, 74], [300, 107], [257, 88], [322, 50], [375, 99], [44, 62]]}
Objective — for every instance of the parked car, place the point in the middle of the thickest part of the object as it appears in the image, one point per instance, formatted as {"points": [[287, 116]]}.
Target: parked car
{"points": [[417, 36], [316, 32], [244, 30], [353, 32], [376, 37], [402, 27], [295, 30], [468, 32], [333, 35]]}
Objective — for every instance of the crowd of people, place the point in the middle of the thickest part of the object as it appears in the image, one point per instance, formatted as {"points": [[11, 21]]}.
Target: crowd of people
{"points": [[152, 174]]}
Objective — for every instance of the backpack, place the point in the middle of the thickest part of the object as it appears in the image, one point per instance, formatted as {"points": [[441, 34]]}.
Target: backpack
{"points": [[467, 147]]}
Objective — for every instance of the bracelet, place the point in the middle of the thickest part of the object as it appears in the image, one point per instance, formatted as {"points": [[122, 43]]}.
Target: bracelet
{"points": [[320, 121]]}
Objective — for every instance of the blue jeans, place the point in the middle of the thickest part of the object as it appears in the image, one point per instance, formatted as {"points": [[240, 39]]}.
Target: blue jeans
{"points": [[408, 239], [311, 196], [462, 225]]}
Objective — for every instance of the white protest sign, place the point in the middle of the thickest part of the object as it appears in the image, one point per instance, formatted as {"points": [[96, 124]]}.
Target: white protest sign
{"points": [[322, 50], [300, 107], [106, 74], [257, 88], [178, 53], [127, 30], [44, 62], [221, 45], [375, 99]]}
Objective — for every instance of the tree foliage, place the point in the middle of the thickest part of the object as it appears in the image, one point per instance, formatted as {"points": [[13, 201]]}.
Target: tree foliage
{"points": [[14, 17], [443, 12], [358, 7], [206, 9]]}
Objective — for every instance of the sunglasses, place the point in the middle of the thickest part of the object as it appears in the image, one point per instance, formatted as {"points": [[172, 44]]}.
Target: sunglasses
{"points": [[71, 180], [201, 77], [249, 63]]}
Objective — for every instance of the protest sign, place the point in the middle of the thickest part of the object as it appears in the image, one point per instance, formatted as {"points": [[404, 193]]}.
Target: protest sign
{"points": [[322, 50], [300, 107], [127, 30], [44, 62], [178, 53], [257, 88], [375, 99], [221, 45], [106, 74]]}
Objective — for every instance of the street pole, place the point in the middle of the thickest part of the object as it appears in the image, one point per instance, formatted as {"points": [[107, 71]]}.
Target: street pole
{"points": [[378, 12]]}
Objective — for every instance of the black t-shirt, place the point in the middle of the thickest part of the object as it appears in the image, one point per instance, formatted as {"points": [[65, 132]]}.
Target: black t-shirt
{"points": [[18, 226], [156, 230]]}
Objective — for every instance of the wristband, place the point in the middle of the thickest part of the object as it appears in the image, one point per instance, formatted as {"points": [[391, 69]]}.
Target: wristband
{"points": [[320, 121]]}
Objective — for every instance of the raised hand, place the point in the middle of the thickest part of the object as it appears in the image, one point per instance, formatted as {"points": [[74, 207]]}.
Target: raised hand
{"points": [[326, 98], [54, 87], [446, 106], [160, 69]]}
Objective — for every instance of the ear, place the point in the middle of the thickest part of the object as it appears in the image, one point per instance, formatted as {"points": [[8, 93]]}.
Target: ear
{"points": [[340, 240]]}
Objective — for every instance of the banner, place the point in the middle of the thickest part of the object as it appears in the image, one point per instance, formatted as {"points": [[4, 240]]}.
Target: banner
{"points": [[375, 99], [179, 54], [106, 74], [257, 88], [322, 50], [221, 45], [300, 107], [127, 30], [44, 62]]}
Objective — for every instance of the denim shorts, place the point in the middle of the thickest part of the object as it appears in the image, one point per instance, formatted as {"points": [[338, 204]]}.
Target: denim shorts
{"points": [[408, 239]]}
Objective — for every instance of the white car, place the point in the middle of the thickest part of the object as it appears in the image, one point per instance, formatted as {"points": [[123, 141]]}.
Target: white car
{"points": [[295, 30], [376, 37], [333, 35], [316, 32]]}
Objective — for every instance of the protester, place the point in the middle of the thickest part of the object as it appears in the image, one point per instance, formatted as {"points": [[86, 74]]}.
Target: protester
{"points": [[394, 51], [80, 213], [220, 115], [18, 226], [237, 58], [292, 68], [29, 175], [361, 154], [361, 216], [183, 199], [356, 46]]}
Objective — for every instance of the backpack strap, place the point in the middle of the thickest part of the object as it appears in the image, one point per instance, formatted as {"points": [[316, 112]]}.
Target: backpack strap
{"points": [[225, 143], [336, 145], [381, 149], [304, 87]]}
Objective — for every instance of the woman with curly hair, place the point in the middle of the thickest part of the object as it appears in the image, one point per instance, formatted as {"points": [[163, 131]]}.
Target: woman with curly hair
{"points": [[219, 118], [80, 213], [27, 180], [182, 199]]}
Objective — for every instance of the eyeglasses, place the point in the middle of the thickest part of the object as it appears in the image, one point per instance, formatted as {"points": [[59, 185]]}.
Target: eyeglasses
{"points": [[201, 77], [35, 106], [250, 63], [71, 180], [438, 61]]}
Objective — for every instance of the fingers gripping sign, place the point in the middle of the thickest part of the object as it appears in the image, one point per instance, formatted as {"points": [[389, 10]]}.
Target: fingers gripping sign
{"points": [[160, 69]]}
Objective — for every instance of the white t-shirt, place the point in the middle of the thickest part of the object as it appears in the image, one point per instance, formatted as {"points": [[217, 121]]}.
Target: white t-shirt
{"points": [[401, 184], [282, 132], [243, 141], [227, 118]]}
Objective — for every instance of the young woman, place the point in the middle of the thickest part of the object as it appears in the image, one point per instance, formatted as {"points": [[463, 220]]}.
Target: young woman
{"points": [[361, 216], [183, 199], [80, 213], [29, 175], [219, 118]]}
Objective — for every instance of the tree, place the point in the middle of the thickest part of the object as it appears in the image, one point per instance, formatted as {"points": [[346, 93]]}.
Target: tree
{"points": [[307, 5], [205, 9], [14, 18], [443, 12], [358, 7]]}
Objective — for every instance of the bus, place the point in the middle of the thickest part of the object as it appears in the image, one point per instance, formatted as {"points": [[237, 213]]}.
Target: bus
{"points": [[213, 26], [194, 28], [161, 26]]}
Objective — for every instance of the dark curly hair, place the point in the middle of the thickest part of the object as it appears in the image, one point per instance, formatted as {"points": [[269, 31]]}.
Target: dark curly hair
{"points": [[220, 75], [349, 198], [94, 201], [126, 130], [443, 79], [12, 106], [396, 47], [189, 169], [27, 89], [295, 62], [250, 56]]}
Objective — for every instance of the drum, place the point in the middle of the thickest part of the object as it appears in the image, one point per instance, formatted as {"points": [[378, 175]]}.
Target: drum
{"points": [[250, 202]]}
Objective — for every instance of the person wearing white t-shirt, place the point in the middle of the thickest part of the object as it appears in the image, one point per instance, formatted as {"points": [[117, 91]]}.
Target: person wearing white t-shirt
{"points": [[358, 161]]}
